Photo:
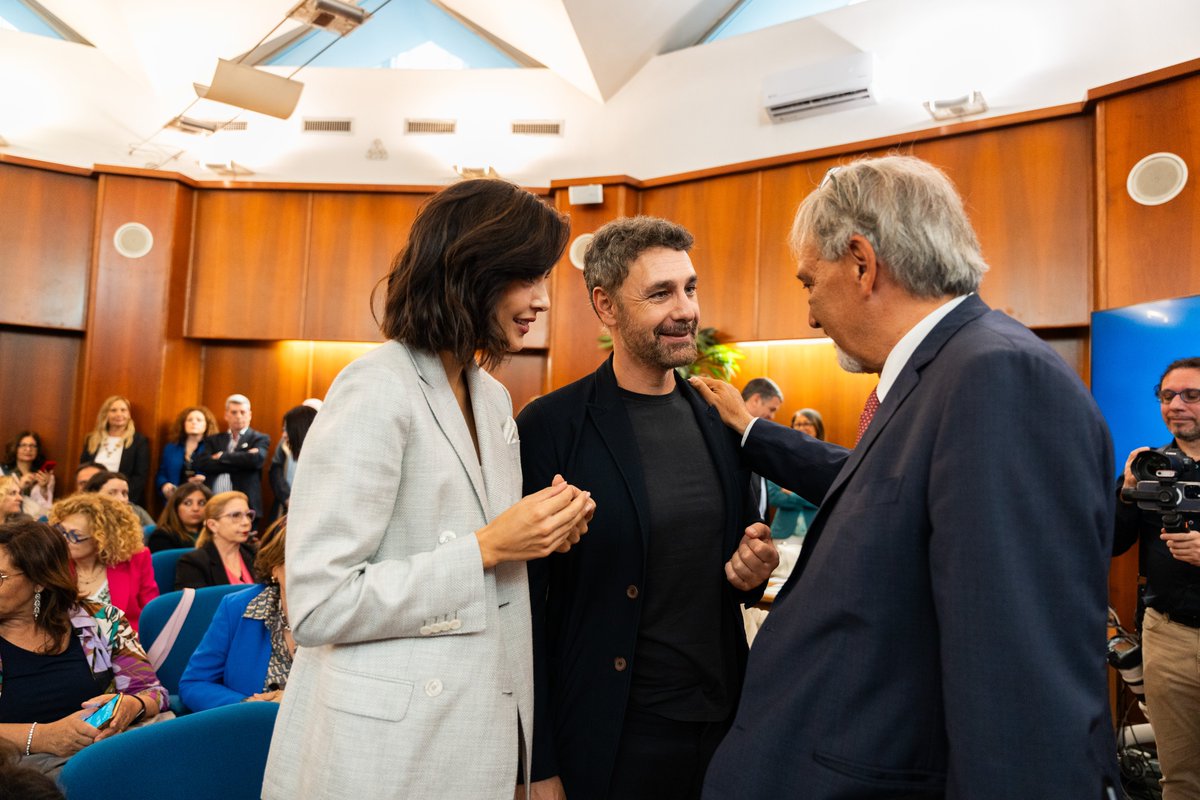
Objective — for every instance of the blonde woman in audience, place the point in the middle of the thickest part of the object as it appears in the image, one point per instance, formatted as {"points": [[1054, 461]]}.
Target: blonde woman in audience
{"points": [[116, 445], [182, 519], [188, 431], [10, 499], [223, 553], [62, 657], [246, 655], [25, 459], [105, 542]]}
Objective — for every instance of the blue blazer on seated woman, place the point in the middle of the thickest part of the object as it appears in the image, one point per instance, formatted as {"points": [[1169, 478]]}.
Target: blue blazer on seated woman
{"points": [[230, 663]]}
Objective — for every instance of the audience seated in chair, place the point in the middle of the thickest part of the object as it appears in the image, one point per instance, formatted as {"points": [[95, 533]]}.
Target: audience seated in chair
{"points": [[25, 459], [223, 554], [115, 486], [182, 519], [110, 562], [61, 657], [247, 651]]}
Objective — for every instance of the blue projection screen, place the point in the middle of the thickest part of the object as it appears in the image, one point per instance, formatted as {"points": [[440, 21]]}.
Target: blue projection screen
{"points": [[1131, 347]]}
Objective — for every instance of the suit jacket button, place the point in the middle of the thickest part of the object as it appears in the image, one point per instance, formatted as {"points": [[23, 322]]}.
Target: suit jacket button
{"points": [[619, 664], [455, 624], [631, 592], [446, 537], [433, 688], [426, 630]]}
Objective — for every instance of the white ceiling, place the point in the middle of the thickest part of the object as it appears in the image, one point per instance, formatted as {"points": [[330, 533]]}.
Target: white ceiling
{"points": [[631, 102]]}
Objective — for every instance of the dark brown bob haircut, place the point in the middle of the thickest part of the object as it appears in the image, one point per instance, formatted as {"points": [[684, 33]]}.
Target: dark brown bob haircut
{"points": [[469, 242], [35, 549]]}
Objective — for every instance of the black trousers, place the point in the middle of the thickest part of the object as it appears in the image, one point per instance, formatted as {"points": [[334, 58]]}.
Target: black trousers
{"points": [[663, 759]]}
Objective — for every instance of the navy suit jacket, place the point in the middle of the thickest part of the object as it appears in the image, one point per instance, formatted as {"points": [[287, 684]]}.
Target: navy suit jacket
{"points": [[586, 603], [942, 635], [244, 467]]}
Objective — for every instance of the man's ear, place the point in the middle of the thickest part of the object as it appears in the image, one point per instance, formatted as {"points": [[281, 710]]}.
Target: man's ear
{"points": [[605, 306], [865, 262]]}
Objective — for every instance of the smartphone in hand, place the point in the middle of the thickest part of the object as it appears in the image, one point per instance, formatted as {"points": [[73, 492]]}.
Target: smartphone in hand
{"points": [[48, 466], [102, 717]]}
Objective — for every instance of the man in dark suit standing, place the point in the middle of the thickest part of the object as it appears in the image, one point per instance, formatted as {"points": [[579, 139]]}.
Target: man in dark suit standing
{"points": [[639, 648], [233, 461], [942, 635]]}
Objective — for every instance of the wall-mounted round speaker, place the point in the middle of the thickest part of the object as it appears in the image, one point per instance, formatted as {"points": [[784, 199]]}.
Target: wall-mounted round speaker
{"points": [[133, 240], [578, 248], [1157, 178]]}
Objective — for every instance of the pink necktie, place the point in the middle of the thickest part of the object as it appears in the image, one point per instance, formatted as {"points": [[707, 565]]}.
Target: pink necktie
{"points": [[868, 414]]}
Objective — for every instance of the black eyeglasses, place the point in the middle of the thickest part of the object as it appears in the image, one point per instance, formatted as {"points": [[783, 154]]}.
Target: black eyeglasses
{"points": [[71, 536], [1190, 396]]}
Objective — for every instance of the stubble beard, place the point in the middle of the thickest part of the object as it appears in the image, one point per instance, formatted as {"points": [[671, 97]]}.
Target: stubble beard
{"points": [[848, 362], [647, 347]]}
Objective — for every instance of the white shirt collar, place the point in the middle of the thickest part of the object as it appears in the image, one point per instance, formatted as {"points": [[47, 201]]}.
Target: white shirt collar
{"points": [[909, 343]]}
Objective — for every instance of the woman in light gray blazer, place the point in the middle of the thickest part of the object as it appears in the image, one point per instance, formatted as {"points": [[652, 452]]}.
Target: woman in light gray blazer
{"points": [[407, 537]]}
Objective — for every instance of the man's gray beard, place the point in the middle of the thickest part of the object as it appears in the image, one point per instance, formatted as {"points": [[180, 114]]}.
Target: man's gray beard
{"points": [[848, 362]]}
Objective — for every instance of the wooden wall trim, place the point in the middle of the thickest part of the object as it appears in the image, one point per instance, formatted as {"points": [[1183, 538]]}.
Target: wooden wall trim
{"points": [[853, 148], [541, 191], [1099, 276], [606, 180], [1142, 81], [142, 172], [20, 161]]}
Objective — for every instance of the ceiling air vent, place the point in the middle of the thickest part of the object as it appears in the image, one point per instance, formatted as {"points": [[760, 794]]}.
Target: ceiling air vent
{"points": [[430, 125], [234, 125], [538, 127], [328, 126]]}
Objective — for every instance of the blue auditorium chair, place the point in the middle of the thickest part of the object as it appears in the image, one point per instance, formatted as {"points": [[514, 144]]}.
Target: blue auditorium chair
{"points": [[164, 567]]}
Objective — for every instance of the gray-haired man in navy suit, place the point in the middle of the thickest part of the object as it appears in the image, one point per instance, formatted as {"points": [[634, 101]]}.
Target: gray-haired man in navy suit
{"points": [[942, 635]]}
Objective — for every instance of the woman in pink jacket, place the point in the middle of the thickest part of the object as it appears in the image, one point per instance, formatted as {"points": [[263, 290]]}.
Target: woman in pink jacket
{"points": [[111, 563]]}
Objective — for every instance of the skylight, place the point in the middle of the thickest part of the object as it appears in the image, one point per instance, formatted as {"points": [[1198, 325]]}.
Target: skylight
{"points": [[28, 16], [401, 34], [753, 15]]}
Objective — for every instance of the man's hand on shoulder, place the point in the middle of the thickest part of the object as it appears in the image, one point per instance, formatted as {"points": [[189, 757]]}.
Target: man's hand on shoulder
{"points": [[549, 789], [754, 560], [726, 399]]}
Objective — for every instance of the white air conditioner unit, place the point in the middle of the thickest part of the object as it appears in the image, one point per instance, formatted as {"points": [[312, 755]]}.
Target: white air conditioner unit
{"points": [[846, 82]]}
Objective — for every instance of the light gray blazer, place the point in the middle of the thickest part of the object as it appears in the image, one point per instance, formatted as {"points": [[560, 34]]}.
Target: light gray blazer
{"points": [[414, 663]]}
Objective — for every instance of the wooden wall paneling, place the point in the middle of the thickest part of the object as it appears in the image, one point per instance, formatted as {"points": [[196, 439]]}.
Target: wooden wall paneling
{"points": [[782, 301], [1073, 344], [523, 375], [352, 241], [46, 225], [249, 262], [574, 326], [810, 377], [1150, 252], [123, 349], [723, 214], [1027, 190], [328, 359], [38, 373]]}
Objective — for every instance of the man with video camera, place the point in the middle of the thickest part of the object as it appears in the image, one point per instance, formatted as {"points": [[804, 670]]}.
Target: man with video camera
{"points": [[1166, 528]]}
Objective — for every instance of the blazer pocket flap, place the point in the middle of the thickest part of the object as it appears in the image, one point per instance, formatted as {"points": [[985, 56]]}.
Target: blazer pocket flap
{"points": [[915, 782], [367, 695]]}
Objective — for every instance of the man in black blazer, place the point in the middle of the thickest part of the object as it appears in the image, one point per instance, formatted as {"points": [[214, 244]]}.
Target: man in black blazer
{"points": [[942, 635], [233, 461], [639, 647]]}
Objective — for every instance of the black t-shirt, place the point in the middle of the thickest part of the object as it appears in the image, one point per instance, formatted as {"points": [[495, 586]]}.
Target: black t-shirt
{"points": [[46, 688], [684, 656]]}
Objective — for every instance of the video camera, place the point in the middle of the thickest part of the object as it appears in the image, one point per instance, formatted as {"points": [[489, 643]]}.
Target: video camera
{"points": [[1160, 490]]}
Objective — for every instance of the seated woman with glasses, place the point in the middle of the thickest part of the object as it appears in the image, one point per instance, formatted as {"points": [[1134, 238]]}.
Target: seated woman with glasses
{"points": [[60, 657], [111, 563], [223, 554], [246, 654], [25, 459], [182, 519]]}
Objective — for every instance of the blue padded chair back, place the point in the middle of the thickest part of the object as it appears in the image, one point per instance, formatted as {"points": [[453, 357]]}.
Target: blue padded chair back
{"points": [[158, 611], [146, 531], [164, 568], [219, 754]]}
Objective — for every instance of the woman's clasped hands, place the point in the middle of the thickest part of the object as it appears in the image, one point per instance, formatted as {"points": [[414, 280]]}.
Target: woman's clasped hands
{"points": [[545, 522]]}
